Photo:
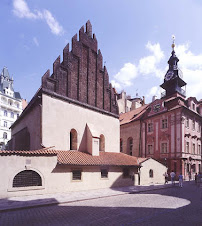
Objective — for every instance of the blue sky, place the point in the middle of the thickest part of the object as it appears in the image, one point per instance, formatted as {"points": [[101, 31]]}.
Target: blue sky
{"points": [[134, 38]]}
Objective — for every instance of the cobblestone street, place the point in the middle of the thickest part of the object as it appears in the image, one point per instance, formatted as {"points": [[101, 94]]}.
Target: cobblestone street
{"points": [[170, 206]]}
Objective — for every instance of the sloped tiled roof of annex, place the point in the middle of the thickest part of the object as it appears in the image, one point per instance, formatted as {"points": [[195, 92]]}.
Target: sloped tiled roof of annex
{"points": [[140, 160], [132, 115], [81, 158]]}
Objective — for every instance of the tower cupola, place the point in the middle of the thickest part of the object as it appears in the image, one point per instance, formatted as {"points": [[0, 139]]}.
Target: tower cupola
{"points": [[173, 81]]}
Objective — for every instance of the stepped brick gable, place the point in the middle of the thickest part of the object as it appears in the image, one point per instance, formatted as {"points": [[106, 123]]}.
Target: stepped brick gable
{"points": [[81, 75]]}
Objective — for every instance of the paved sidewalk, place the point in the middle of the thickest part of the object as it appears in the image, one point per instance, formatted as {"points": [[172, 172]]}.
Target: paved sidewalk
{"points": [[59, 198]]}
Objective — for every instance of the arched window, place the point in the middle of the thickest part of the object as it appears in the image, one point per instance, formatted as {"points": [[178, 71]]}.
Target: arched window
{"points": [[151, 173], [27, 178], [73, 139], [5, 135], [130, 146], [5, 113], [121, 145], [102, 142]]}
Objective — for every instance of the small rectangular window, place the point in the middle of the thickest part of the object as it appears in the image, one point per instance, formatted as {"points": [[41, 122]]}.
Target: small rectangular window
{"points": [[104, 173], [150, 127], [76, 175], [199, 127], [187, 122], [187, 147], [193, 124], [164, 148], [164, 124], [150, 149], [199, 149], [193, 150]]}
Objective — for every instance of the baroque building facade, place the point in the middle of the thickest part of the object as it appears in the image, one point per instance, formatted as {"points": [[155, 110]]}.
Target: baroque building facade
{"points": [[167, 129], [10, 105]]}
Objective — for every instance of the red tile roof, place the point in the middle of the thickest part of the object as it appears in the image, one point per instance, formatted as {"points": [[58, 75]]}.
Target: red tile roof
{"points": [[81, 158], [132, 115], [140, 160]]}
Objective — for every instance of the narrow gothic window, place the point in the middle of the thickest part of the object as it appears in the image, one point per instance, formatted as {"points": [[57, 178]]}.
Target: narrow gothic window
{"points": [[151, 173], [102, 142], [73, 139], [5, 113]]}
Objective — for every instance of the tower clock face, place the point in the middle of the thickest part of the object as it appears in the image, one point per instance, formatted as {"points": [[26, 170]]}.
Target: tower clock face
{"points": [[169, 75]]}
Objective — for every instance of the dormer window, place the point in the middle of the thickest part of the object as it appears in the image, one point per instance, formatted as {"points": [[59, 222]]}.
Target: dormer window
{"points": [[193, 106]]}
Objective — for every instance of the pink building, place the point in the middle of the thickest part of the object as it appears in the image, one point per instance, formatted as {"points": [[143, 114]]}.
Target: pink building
{"points": [[169, 129]]}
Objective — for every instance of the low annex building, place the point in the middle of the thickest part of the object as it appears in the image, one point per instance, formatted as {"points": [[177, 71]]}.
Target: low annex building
{"points": [[75, 111], [151, 171], [51, 171]]}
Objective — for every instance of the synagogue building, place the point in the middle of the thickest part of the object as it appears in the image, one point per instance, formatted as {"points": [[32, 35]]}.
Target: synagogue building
{"points": [[67, 138]]}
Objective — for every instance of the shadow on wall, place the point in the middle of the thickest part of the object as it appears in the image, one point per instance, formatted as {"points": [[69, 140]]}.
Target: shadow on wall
{"points": [[123, 182]]}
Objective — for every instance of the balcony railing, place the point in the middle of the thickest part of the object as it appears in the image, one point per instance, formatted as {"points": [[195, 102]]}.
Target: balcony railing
{"points": [[179, 90]]}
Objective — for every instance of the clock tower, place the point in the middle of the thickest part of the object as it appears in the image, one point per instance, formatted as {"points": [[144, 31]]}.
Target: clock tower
{"points": [[173, 81]]}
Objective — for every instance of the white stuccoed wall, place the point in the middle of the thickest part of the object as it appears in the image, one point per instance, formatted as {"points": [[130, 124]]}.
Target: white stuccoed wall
{"points": [[56, 178], [59, 117], [158, 169]]}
